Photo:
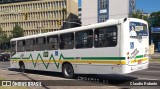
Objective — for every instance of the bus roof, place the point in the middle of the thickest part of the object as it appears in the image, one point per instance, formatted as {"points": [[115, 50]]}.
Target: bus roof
{"points": [[97, 25]]}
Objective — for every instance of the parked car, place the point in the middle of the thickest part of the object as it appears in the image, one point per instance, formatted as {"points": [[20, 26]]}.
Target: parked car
{"points": [[4, 57]]}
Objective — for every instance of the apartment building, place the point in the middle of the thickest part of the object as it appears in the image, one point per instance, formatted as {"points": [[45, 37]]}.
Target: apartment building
{"points": [[37, 16], [97, 11]]}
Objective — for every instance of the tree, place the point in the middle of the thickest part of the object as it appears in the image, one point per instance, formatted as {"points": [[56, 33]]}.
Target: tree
{"points": [[4, 40], [155, 19], [139, 14], [17, 31], [1, 34]]}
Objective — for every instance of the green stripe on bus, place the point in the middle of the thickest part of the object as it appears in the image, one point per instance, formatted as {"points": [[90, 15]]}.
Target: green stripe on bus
{"points": [[139, 56], [103, 58], [46, 64], [18, 58], [39, 57]]}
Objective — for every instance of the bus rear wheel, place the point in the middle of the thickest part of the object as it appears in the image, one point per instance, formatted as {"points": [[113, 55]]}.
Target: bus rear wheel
{"points": [[67, 70]]}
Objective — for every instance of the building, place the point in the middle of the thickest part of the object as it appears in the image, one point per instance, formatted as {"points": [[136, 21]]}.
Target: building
{"points": [[79, 13], [96, 11], [36, 16]]}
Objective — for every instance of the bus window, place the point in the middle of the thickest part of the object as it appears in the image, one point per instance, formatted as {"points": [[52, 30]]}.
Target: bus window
{"points": [[13, 48], [29, 44], [105, 37], [67, 41], [138, 29], [40, 43], [84, 39], [21, 46], [52, 42]]}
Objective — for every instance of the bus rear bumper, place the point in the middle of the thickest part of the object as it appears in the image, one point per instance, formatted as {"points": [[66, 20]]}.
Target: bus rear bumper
{"points": [[132, 68]]}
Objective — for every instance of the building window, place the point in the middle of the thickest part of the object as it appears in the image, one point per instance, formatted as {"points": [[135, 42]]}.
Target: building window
{"points": [[103, 4], [105, 37], [102, 18]]}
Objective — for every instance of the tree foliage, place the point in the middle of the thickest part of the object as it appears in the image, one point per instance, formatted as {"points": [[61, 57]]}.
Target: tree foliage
{"points": [[139, 14], [17, 31], [1, 33], [4, 40], [155, 19]]}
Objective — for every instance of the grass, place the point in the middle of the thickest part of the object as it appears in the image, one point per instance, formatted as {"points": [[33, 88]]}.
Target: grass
{"points": [[2, 78], [11, 87]]}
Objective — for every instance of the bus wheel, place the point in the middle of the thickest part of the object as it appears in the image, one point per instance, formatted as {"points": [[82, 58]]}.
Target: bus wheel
{"points": [[22, 67], [67, 70]]}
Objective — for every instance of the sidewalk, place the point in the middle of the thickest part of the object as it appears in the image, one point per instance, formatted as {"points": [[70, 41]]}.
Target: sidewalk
{"points": [[156, 55], [155, 58]]}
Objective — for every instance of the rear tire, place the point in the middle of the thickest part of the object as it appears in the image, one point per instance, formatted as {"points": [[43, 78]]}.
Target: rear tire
{"points": [[67, 70], [22, 68]]}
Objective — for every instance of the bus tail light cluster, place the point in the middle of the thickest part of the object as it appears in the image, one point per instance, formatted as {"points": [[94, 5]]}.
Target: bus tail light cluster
{"points": [[145, 55], [128, 55]]}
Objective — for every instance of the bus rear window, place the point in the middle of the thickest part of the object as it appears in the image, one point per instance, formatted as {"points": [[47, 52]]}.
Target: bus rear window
{"points": [[138, 29]]}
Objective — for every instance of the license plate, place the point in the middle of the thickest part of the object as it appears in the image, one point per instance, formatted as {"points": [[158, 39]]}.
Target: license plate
{"points": [[139, 61]]}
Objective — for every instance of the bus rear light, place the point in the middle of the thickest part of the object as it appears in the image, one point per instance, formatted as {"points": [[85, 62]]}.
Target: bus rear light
{"points": [[127, 57]]}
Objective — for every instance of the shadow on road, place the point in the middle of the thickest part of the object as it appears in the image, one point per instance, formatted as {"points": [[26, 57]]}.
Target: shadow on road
{"points": [[108, 79]]}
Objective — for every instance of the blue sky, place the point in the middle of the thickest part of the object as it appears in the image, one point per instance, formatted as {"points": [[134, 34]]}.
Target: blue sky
{"points": [[79, 3], [148, 6]]}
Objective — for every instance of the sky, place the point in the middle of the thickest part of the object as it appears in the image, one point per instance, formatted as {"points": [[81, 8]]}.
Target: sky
{"points": [[148, 6]]}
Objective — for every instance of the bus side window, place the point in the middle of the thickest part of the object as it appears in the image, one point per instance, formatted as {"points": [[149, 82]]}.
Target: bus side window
{"points": [[105, 37], [52, 42], [84, 39], [67, 41], [21, 46], [13, 48], [40, 43], [30, 45]]}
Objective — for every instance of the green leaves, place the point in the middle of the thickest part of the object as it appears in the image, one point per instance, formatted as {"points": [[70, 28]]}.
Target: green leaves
{"points": [[139, 14], [155, 19], [17, 31]]}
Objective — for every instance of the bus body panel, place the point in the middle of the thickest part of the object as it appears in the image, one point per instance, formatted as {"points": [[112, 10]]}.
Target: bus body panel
{"points": [[135, 49], [104, 60]]}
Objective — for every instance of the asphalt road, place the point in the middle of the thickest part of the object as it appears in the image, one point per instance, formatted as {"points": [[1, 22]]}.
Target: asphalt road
{"points": [[4, 64], [152, 73]]}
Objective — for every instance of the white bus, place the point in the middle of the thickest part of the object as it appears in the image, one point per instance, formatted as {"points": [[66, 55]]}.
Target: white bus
{"points": [[112, 47]]}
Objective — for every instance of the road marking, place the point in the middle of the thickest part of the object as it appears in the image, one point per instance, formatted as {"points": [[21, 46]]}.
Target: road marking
{"points": [[147, 79], [154, 63], [153, 67], [149, 71]]}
